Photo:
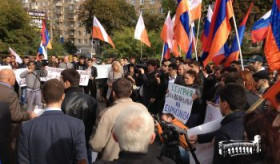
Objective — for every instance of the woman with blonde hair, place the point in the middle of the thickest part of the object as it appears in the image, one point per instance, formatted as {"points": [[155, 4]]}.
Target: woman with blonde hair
{"points": [[115, 73]]}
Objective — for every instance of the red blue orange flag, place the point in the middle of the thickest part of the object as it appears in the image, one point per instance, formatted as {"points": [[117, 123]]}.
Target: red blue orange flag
{"points": [[195, 9], [234, 52], [45, 36], [272, 93], [272, 45], [219, 28], [182, 25]]}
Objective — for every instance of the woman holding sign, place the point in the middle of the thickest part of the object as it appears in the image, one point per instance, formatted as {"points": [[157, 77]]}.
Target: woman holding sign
{"points": [[191, 80]]}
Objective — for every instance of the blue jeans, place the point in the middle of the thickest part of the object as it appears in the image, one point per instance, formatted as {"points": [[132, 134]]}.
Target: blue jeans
{"points": [[23, 95], [184, 155]]}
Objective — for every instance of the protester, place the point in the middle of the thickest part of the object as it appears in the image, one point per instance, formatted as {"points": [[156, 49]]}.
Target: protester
{"points": [[249, 81], [78, 104], [256, 63], [150, 86], [33, 91], [115, 73], [6, 61], [172, 72], [24, 62], [102, 141], [53, 62], [13, 62], [9, 96], [180, 74], [74, 61], [260, 123], [81, 65], [53, 137], [134, 132], [92, 72], [65, 64], [5, 130], [197, 114], [232, 102]]}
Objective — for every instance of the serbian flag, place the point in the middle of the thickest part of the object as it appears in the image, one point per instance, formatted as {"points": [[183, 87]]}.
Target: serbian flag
{"points": [[234, 52], [18, 59], [206, 30], [219, 28], [260, 28], [45, 36], [99, 32], [182, 25], [272, 44], [271, 94], [165, 52], [141, 32], [195, 9]]}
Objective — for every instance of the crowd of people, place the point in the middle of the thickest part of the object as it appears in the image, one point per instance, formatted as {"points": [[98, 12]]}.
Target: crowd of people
{"points": [[74, 124]]}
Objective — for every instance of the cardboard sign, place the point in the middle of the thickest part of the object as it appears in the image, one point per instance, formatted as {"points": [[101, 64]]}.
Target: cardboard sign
{"points": [[179, 102], [102, 71]]}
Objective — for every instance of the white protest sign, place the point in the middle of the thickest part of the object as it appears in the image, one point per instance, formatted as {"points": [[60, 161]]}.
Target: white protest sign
{"points": [[102, 71], [179, 102], [212, 113], [53, 73], [5, 67], [84, 78], [21, 81], [204, 152]]}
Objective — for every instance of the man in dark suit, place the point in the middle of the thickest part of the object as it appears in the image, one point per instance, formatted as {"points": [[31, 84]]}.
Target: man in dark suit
{"points": [[10, 97], [5, 127], [53, 137]]}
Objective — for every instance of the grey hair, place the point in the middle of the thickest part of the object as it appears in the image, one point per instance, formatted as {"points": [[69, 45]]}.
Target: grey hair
{"points": [[134, 128]]}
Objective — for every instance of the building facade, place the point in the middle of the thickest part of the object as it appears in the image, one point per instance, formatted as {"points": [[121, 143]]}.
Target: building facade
{"points": [[153, 6], [62, 16]]}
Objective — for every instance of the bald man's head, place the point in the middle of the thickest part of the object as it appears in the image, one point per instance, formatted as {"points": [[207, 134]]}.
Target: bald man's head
{"points": [[7, 76]]}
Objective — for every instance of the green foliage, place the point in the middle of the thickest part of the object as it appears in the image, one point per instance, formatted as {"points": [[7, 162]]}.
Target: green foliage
{"points": [[15, 31], [57, 48], [127, 46], [112, 14], [70, 47], [153, 21], [169, 5]]}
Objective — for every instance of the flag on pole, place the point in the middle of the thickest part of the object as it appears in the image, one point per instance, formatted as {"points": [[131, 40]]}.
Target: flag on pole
{"points": [[271, 94], [175, 49], [219, 28], [234, 52], [260, 28], [192, 41], [99, 32], [42, 50], [195, 9], [45, 36], [18, 59], [272, 44], [141, 32], [182, 25], [167, 36], [206, 30]]}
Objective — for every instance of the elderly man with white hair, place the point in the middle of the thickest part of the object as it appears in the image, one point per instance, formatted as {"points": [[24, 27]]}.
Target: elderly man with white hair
{"points": [[134, 132]]}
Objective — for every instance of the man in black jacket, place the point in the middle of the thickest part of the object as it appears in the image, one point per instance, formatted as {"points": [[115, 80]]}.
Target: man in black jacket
{"points": [[78, 104], [92, 71], [232, 102], [150, 86], [5, 130]]}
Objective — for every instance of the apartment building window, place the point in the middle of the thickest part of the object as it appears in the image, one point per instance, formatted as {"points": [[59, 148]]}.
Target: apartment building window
{"points": [[85, 32], [79, 33], [132, 2], [152, 1], [141, 2], [79, 41], [86, 41]]}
